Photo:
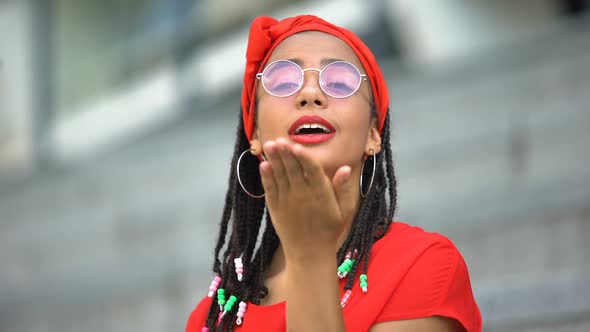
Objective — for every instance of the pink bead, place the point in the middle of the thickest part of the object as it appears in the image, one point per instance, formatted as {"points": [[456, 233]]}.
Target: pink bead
{"points": [[205, 329], [214, 285], [216, 281], [345, 298], [239, 268], [241, 312]]}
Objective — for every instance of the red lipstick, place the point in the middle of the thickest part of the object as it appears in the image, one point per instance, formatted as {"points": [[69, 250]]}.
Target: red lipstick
{"points": [[310, 130]]}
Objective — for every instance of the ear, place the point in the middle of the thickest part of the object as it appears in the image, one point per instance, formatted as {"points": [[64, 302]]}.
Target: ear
{"points": [[373, 139], [255, 143]]}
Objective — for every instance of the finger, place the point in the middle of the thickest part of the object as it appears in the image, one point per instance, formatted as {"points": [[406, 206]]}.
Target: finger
{"points": [[276, 163], [312, 169], [268, 182], [292, 166], [345, 190]]}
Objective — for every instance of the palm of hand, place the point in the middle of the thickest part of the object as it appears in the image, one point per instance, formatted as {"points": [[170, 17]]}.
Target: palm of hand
{"points": [[308, 209]]}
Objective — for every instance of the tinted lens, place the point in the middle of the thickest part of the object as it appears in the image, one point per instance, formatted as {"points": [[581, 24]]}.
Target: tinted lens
{"points": [[282, 78], [340, 79]]}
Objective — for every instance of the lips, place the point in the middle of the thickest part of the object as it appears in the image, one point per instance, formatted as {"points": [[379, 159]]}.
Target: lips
{"points": [[311, 130]]}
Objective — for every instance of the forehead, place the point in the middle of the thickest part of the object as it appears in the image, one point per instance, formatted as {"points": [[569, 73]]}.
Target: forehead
{"points": [[311, 47]]}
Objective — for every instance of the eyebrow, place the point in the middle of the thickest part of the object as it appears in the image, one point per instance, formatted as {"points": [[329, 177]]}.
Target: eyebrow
{"points": [[324, 62]]}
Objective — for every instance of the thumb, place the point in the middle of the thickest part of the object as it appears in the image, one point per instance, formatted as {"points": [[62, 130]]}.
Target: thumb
{"points": [[344, 189]]}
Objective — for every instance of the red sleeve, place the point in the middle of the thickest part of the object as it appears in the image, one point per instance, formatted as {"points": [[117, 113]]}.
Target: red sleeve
{"points": [[196, 320], [437, 284]]}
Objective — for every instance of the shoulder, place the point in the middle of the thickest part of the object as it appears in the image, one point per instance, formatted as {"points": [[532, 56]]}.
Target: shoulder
{"points": [[425, 275], [407, 242], [409, 249], [198, 316]]}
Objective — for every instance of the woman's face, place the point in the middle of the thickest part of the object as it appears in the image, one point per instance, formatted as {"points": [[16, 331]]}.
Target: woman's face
{"points": [[353, 129]]}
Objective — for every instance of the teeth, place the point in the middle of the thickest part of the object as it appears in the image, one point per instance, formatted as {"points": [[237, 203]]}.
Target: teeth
{"points": [[312, 126]]}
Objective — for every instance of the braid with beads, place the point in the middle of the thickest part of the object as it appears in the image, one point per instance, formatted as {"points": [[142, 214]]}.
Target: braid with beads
{"points": [[244, 217]]}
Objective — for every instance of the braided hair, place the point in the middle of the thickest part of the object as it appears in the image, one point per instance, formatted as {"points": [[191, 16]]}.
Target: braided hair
{"points": [[245, 217]]}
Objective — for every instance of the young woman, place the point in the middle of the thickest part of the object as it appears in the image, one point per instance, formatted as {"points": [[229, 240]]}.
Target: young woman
{"points": [[306, 240]]}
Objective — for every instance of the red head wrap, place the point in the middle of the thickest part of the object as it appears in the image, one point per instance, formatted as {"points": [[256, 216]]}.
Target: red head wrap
{"points": [[266, 33]]}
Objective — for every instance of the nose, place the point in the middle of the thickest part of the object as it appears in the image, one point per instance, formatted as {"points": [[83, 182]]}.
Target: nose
{"points": [[311, 94]]}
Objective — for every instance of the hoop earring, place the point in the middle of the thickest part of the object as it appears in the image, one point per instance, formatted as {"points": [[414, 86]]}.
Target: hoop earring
{"points": [[240, 179], [363, 195]]}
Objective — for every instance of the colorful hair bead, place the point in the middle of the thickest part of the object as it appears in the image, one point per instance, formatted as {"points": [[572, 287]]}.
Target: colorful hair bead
{"points": [[214, 285], [345, 267], [345, 298], [230, 303], [205, 329], [351, 255], [227, 307], [364, 283], [221, 298], [239, 268], [241, 312]]}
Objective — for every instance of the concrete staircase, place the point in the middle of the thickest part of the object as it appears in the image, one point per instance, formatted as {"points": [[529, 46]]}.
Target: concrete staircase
{"points": [[493, 153]]}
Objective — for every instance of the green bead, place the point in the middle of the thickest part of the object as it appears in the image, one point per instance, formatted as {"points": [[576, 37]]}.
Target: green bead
{"points": [[350, 264], [221, 296], [363, 277], [230, 303], [364, 284]]}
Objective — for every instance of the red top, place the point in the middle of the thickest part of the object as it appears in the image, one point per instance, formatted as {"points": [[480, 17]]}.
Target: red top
{"points": [[412, 274]]}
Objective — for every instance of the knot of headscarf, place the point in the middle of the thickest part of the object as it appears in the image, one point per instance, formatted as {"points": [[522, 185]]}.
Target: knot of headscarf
{"points": [[266, 33]]}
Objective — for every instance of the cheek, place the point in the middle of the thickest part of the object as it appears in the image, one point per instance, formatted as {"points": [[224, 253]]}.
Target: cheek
{"points": [[270, 119], [355, 115], [357, 127]]}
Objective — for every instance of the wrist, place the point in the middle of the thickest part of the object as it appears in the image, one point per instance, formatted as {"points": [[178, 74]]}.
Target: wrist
{"points": [[315, 261]]}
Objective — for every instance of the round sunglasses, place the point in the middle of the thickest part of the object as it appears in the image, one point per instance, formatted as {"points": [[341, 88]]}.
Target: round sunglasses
{"points": [[338, 79]]}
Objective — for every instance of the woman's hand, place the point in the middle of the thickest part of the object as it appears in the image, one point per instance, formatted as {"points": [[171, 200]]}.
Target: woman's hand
{"points": [[310, 211]]}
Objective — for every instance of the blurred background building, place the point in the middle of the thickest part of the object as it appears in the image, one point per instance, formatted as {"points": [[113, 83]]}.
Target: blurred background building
{"points": [[117, 121]]}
